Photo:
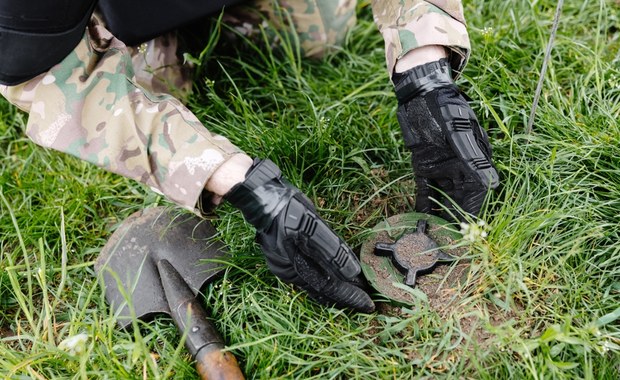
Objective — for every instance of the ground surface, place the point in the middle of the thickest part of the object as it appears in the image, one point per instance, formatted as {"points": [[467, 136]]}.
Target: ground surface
{"points": [[542, 294]]}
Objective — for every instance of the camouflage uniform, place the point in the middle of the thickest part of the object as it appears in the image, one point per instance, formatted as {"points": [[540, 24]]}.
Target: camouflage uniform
{"points": [[95, 106], [318, 24], [409, 24], [108, 104], [90, 106]]}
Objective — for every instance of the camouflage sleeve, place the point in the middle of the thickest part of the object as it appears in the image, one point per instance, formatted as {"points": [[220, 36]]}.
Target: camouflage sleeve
{"points": [[409, 24], [90, 106]]}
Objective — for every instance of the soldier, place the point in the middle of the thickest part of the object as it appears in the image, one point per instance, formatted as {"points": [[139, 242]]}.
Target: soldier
{"points": [[89, 95]]}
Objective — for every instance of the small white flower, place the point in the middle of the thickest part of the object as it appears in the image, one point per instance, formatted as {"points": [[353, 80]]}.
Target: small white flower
{"points": [[607, 346], [487, 31], [475, 231], [142, 48], [75, 344]]}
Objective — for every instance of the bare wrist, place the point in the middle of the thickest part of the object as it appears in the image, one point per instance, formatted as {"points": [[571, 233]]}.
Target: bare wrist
{"points": [[420, 56], [228, 175]]}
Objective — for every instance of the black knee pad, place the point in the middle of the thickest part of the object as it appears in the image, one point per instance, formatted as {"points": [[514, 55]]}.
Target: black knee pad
{"points": [[37, 34], [137, 21]]}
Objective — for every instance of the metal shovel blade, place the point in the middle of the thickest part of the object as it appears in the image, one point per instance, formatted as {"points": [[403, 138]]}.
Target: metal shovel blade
{"points": [[127, 264]]}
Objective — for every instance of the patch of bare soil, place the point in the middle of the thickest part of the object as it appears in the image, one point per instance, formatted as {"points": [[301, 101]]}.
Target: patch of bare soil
{"points": [[6, 332]]}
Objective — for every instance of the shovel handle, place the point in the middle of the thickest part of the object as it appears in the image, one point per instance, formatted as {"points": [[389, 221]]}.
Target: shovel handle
{"points": [[202, 339], [214, 364]]}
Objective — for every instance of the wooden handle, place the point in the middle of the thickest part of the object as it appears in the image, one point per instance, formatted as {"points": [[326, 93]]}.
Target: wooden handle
{"points": [[215, 364]]}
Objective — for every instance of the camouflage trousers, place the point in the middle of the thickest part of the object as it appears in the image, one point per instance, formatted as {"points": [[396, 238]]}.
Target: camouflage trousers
{"points": [[109, 105], [319, 25], [409, 24]]}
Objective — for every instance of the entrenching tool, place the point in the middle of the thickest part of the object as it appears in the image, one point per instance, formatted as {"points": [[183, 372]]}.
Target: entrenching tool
{"points": [[157, 262]]}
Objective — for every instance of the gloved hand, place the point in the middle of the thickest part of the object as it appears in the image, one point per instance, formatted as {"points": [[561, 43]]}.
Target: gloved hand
{"points": [[451, 151], [298, 245]]}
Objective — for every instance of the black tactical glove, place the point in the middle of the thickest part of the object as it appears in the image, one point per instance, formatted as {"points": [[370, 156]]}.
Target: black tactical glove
{"points": [[298, 245], [451, 152]]}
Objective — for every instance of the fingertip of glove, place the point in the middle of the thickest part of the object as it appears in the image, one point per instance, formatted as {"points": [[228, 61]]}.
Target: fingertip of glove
{"points": [[368, 308], [356, 299]]}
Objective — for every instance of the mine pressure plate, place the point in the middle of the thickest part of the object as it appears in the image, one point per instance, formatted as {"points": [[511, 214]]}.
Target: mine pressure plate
{"points": [[412, 253]]}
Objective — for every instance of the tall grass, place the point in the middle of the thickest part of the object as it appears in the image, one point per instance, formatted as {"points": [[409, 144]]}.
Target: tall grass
{"points": [[544, 291]]}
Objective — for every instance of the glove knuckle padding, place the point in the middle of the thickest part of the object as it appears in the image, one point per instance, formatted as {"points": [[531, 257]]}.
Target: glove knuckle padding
{"points": [[467, 141], [298, 230], [317, 240]]}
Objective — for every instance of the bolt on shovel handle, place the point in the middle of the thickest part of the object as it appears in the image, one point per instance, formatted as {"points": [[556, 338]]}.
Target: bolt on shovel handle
{"points": [[205, 344], [202, 339]]}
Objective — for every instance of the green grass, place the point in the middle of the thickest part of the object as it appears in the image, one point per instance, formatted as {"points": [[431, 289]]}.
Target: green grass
{"points": [[545, 284]]}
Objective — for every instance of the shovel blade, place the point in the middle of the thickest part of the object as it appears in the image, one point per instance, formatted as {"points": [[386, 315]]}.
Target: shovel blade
{"points": [[127, 265]]}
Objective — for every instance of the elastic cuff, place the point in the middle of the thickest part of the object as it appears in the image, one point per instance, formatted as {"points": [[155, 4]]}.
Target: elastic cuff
{"points": [[262, 195], [421, 79]]}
